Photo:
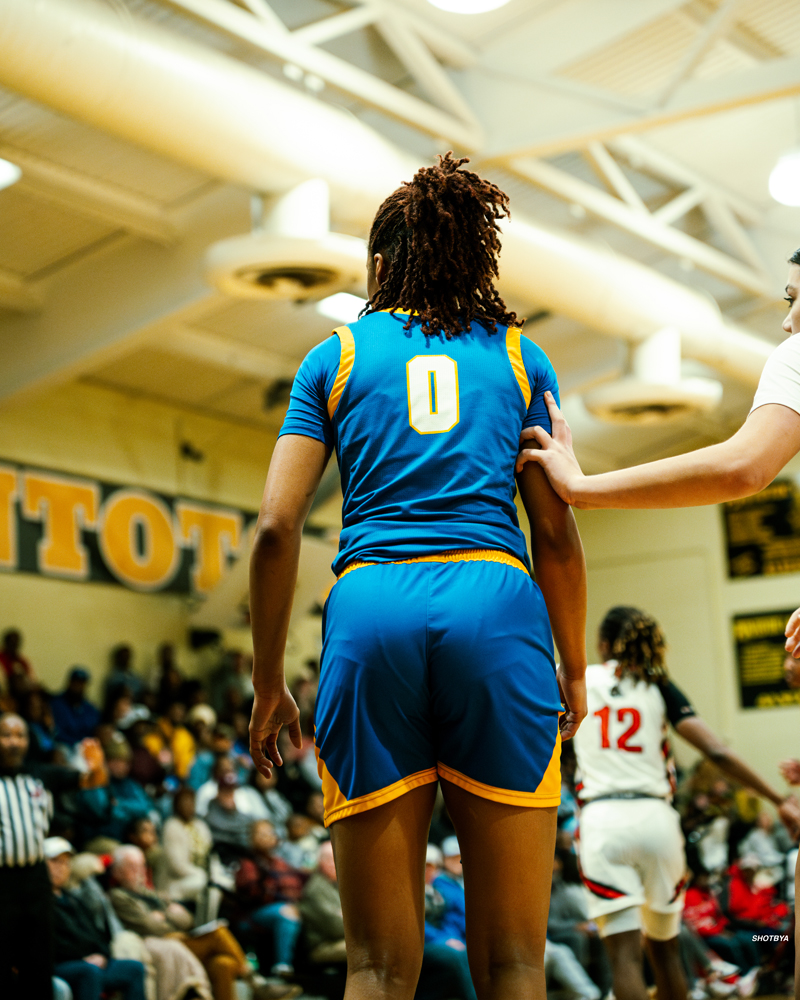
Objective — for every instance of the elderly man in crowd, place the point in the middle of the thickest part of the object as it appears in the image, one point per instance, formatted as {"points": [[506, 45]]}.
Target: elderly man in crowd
{"points": [[82, 949], [145, 912], [26, 898], [321, 910]]}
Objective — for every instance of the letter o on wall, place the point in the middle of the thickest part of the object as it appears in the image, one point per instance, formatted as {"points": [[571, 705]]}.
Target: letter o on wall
{"points": [[126, 517]]}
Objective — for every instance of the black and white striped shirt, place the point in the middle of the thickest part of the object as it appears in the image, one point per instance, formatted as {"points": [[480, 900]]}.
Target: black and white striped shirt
{"points": [[26, 808]]}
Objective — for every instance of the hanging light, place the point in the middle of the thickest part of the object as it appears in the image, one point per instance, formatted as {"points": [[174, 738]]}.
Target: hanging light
{"points": [[342, 307], [784, 181], [468, 6], [10, 173]]}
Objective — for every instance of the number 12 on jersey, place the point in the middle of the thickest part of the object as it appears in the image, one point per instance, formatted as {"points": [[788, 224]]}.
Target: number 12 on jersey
{"points": [[432, 393], [623, 715]]}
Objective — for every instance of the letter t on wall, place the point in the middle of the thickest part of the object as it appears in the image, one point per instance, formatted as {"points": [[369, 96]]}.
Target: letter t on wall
{"points": [[64, 506]]}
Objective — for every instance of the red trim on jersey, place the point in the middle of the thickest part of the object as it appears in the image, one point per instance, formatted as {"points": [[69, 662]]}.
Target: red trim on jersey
{"points": [[680, 887], [603, 891]]}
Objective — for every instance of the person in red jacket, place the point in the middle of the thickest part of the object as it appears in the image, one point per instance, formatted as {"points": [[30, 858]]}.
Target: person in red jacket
{"points": [[270, 889], [703, 914], [750, 905]]}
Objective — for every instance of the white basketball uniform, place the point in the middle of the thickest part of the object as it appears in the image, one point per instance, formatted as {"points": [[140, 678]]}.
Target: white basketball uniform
{"points": [[630, 842]]}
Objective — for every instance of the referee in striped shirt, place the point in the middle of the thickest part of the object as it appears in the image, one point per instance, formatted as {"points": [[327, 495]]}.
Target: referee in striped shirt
{"points": [[26, 896]]}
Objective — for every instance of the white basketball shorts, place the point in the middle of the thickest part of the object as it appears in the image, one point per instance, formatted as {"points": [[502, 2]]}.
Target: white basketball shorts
{"points": [[632, 859]]}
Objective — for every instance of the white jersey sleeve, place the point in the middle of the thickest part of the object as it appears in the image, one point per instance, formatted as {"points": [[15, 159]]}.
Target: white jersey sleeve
{"points": [[620, 746], [780, 380]]}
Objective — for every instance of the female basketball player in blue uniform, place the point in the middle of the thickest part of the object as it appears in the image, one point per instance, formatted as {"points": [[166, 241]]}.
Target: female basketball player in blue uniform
{"points": [[437, 662]]}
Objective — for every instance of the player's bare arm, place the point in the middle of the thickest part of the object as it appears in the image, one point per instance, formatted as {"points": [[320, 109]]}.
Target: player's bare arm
{"points": [[738, 467], [697, 732], [560, 570], [294, 475]]}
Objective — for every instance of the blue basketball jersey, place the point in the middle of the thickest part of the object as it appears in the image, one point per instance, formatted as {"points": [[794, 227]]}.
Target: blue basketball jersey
{"points": [[426, 431]]}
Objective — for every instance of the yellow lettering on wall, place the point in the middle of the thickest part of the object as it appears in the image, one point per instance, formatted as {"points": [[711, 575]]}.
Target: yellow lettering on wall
{"points": [[214, 534], [8, 517], [64, 506], [127, 516]]}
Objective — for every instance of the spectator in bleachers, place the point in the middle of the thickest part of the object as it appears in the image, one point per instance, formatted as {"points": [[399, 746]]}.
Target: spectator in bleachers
{"points": [[74, 716], [268, 889], [221, 745], [187, 845], [143, 834], [298, 777], [261, 799], [301, 846], [170, 735], [769, 842], [445, 967], [230, 829], [749, 904], [321, 910], [450, 883], [704, 915], [116, 805], [19, 674], [82, 950], [36, 710], [170, 680], [121, 676]]}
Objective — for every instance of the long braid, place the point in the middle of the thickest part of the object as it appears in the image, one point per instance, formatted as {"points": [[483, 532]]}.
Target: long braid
{"points": [[440, 239], [637, 643]]}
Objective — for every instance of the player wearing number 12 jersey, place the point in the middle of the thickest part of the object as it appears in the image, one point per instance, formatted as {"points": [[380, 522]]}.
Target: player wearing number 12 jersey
{"points": [[630, 842], [437, 662]]}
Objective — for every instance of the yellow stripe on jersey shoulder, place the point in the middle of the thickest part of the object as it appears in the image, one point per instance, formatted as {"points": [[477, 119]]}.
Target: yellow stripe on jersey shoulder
{"points": [[346, 358], [517, 364]]}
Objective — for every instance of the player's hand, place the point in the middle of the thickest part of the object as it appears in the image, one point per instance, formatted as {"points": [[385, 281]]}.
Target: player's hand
{"points": [[789, 813], [270, 714], [573, 695], [792, 633], [553, 452], [790, 769]]}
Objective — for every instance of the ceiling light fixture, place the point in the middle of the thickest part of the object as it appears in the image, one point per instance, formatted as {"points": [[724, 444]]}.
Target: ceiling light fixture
{"points": [[784, 181], [468, 6], [342, 307], [10, 173]]}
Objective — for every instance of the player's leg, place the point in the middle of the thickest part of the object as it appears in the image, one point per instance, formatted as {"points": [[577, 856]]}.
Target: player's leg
{"points": [[665, 960], [507, 854], [625, 953], [380, 866]]}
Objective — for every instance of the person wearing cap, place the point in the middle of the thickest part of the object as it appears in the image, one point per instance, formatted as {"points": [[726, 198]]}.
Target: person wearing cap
{"points": [[450, 883], [75, 717], [229, 827], [122, 800], [26, 899], [82, 949]]}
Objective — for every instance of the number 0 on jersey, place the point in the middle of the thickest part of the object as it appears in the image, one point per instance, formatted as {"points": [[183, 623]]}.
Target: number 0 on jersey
{"points": [[432, 393]]}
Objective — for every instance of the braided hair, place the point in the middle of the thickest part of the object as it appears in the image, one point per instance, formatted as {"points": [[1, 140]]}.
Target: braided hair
{"points": [[636, 642], [439, 237]]}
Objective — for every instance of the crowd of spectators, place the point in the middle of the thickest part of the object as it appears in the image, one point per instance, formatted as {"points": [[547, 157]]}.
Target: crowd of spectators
{"points": [[179, 871]]}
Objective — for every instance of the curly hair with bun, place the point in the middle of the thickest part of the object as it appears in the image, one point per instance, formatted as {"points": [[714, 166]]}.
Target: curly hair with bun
{"points": [[637, 643]]}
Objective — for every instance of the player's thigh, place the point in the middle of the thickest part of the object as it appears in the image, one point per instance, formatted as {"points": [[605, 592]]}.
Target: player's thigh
{"points": [[380, 866], [494, 695], [613, 883], [373, 721], [662, 868], [507, 854]]}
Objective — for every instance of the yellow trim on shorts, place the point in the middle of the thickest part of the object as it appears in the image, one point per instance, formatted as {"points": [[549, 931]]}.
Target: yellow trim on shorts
{"points": [[456, 555], [337, 806], [517, 364], [347, 356], [547, 794]]}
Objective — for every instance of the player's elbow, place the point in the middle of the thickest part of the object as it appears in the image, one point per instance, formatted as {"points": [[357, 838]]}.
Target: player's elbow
{"points": [[748, 475], [272, 535]]}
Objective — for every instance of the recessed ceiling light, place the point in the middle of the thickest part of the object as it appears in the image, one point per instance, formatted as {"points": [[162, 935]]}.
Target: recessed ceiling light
{"points": [[784, 181], [10, 173], [468, 6], [342, 307]]}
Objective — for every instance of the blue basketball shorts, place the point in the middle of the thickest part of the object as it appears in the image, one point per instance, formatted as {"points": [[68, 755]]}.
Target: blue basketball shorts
{"points": [[440, 667]]}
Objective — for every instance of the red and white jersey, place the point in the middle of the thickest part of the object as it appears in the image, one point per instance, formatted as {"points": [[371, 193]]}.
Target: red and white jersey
{"points": [[620, 745]]}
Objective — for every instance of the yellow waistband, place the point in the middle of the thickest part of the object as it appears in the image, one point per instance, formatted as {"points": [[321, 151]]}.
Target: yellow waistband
{"points": [[457, 555]]}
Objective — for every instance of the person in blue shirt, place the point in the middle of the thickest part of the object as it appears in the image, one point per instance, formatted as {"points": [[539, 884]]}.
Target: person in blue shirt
{"points": [[74, 716], [438, 662], [123, 800]]}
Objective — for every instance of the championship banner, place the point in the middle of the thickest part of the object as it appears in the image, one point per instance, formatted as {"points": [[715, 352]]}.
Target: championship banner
{"points": [[764, 531], [74, 528], [759, 655]]}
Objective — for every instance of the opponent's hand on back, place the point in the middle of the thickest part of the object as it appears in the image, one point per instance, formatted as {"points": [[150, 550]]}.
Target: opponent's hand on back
{"points": [[553, 452]]}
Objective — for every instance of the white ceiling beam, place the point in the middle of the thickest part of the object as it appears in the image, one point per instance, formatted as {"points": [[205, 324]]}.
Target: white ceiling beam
{"points": [[92, 197], [643, 156], [716, 25], [334, 27], [722, 218], [265, 13], [444, 44], [19, 295], [643, 225], [200, 345], [559, 126], [337, 73], [611, 173], [99, 307], [740, 37], [679, 206]]}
